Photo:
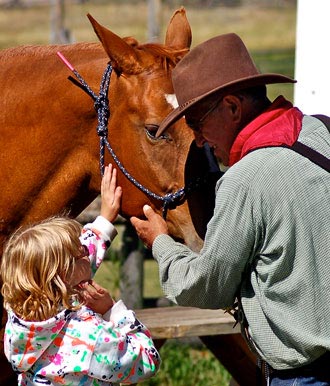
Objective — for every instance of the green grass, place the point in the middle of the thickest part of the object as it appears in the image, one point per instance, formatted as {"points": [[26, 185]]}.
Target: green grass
{"points": [[260, 28], [186, 364]]}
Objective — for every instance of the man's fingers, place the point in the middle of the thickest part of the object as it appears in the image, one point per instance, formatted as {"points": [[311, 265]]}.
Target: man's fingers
{"points": [[148, 211], [135, 221]]}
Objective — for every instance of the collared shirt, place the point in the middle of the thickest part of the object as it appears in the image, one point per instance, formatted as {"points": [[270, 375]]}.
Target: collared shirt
{"points": [[269, 238]]}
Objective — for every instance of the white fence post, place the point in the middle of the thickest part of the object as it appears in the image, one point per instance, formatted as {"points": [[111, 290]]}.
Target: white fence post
{"points": [[58, 33], [312, 67], [154, 20]]}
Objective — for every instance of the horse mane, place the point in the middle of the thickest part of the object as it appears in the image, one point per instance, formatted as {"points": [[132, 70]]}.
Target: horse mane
{"points": [[169, 56], [41, 50]]}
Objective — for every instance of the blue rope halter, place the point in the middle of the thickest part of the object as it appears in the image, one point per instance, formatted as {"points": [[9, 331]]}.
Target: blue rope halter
{"points": [[101, 105]]}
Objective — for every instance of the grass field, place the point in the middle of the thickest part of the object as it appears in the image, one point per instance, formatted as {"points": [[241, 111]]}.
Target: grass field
{"points": [[269, 33]]}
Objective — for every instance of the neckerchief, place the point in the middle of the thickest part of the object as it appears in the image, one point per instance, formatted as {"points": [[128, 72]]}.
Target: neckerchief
{"points": [[279, 125]]}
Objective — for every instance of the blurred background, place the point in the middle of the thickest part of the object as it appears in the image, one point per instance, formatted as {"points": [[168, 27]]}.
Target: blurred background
{"points": [[268, 28]]}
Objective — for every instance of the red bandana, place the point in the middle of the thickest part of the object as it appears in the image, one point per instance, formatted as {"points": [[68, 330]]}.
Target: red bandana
{"points": [[279, 125]]}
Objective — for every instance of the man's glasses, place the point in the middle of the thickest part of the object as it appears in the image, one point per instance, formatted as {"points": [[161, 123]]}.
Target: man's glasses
{"points": [[196, 126]]}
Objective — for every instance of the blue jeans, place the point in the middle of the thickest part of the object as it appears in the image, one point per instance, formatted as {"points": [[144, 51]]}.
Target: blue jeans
{"points": [[316, 373], [299, 381]]}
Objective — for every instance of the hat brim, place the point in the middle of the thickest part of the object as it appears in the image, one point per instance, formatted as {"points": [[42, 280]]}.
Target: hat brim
{"points": [[237, 85]]}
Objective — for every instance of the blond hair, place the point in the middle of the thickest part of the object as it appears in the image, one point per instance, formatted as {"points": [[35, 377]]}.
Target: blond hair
{"points": [[35, 264]]}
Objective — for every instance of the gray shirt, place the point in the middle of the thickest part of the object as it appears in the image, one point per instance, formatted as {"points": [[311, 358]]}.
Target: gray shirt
{"points": [[269, 240]]}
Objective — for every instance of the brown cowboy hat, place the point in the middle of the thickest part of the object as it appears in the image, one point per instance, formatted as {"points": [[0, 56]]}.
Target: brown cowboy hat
{"points": [[222, 63]]}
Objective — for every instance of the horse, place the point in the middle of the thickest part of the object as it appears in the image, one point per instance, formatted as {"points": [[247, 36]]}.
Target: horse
{"points": [[57, 133]]}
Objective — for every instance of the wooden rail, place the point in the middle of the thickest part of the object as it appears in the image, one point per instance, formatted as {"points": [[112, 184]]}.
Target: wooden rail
{"points": [[180, 322], [214, 328]]}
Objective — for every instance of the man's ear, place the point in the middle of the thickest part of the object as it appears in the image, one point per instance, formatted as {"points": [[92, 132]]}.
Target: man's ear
{"points": [[233, 104]]}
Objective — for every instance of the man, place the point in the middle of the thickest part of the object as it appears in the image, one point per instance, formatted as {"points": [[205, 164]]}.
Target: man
{"points": [[268, 242]]}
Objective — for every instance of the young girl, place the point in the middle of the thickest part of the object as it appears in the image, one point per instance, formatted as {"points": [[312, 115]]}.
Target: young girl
{"points": [[63, 328]]}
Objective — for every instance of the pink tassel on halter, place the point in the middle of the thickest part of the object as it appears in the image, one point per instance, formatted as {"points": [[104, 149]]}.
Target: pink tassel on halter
{"points": [[65, 61]]}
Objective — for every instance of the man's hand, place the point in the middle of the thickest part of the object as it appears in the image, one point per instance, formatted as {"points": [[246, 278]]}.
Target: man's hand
{"points": [[150, 228]]}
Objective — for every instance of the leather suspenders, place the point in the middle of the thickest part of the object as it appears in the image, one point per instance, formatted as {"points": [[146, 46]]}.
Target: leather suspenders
{"points": [[306, 151], [310, 153], [324, 119]]}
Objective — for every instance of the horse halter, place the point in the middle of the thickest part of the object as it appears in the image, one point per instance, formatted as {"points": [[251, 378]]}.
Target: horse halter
{"points": [[101, 105]]}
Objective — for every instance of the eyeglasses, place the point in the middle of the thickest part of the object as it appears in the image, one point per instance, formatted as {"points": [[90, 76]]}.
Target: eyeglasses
{"points": [[196, 126]]}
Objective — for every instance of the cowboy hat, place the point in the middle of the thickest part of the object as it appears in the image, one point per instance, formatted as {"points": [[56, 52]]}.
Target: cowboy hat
{"points": [[221, 64]]}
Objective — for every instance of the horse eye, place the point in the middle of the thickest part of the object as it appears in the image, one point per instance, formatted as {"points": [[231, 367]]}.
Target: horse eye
{"points": [[151, 131]]}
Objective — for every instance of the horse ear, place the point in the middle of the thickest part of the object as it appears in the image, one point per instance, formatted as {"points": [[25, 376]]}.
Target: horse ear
{"points": [[178, 32], [123, 57]]}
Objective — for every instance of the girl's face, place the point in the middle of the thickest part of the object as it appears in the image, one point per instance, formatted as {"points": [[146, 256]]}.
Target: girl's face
{"points": [[82, 268]]}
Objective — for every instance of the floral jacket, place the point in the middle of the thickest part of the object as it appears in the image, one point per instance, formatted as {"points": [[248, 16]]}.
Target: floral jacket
{"points": [[82, 347]]}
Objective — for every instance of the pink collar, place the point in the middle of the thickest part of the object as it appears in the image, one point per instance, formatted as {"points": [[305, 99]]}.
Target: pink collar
{"points": [[279, 125]]}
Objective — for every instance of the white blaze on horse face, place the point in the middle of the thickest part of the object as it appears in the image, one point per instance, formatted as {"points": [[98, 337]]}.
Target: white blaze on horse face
{"points": [[171, 100]]}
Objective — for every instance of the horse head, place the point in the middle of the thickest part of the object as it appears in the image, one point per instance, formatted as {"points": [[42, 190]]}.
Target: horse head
{"points": [[141, 95]]}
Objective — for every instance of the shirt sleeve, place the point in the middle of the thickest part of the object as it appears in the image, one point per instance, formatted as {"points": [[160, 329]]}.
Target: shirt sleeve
{"points": [[124, 351], [211, 278], [97, 237]]}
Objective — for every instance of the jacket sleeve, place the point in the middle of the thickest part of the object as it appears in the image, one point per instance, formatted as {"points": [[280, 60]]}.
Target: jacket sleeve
{"points": [[211, 278], [124, 351], [97, 237]]}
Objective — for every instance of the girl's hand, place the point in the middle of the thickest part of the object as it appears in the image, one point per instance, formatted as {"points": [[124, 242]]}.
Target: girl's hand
{"points": [[110, 194], [96, 297]]}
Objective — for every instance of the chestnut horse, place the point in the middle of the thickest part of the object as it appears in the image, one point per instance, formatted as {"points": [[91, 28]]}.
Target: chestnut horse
{"points": [[50, 159]]}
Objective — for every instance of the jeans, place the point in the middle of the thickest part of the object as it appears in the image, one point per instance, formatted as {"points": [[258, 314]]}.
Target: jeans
{"points": [[316, 373], [299, 381]]}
